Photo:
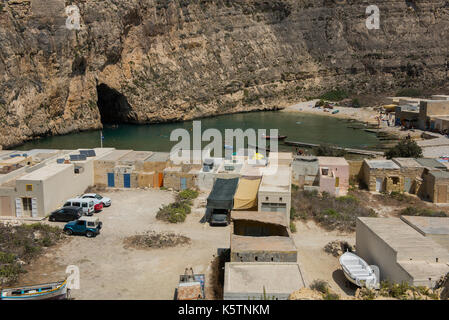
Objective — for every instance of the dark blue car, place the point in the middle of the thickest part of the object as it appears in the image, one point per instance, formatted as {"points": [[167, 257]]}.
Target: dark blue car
{"points": [[88, 226]]}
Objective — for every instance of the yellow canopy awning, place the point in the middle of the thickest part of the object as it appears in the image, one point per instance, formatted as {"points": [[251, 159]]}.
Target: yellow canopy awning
{"points": [[390, 107], [246, 195]]}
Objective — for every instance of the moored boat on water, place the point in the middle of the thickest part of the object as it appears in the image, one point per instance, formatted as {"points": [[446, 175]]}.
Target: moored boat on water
{"points": [[274, 137], [49, 291]]}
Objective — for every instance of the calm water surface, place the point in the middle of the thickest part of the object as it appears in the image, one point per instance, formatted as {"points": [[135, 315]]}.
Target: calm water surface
{"points": [[156, 137]]}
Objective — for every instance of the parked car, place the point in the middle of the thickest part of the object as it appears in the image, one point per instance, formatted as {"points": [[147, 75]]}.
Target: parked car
{"points": [[98, 207], [66, 214], [88, 226], [220, 217], [87, 205], [97, 199]]}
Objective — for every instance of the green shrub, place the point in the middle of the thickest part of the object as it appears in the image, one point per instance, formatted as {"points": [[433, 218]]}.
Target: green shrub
{"points": [[320, 285], [398, 196], [327, 150], [355, 103], [187, 195], [331, 296], [6, 258], [329, 212], [293, 227], [23, 243], [409, 92], [413, 211], [175, 212], [406, 148], [348, 199], [334, 95]]}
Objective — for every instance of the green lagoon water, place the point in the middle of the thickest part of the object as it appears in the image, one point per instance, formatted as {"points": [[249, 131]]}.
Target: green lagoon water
{"points": [[156, 137]]}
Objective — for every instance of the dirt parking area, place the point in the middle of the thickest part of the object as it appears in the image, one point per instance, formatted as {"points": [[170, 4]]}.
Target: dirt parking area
{"points": [[110, 271]]}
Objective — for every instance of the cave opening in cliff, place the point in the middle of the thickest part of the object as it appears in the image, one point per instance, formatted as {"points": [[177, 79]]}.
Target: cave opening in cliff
{"points": [[113, 106]]}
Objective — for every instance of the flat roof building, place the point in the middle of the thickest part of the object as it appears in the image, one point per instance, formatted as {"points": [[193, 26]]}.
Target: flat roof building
{"points": [[275, 190], [436, 228], [249, 281], [401, 252]]}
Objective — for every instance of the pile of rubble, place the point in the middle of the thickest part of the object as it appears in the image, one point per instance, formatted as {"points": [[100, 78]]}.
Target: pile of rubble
{"points": [[337, 248], [152, 239], [306, 294]]}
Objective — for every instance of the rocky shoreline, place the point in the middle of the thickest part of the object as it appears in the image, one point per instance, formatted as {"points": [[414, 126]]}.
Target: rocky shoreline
{"points": [[138, 61]]}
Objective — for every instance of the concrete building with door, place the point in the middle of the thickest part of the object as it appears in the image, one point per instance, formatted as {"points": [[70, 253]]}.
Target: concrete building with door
{"points": [[407, 115], [412, 172], [176, 179], [439, 123], [155, 165], [431, 108], [105, 168], [275, 190], [38, 193], [382, 176], [305, 171], [435, 186], [135, 159], [401, 252], [334, 175]]}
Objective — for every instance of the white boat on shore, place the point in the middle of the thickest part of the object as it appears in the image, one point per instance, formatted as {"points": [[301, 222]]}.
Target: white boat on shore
{"points": [[358, 272]]}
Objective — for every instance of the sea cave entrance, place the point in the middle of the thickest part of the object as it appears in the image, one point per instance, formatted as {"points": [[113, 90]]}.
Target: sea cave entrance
{"points": [[113, 106]]}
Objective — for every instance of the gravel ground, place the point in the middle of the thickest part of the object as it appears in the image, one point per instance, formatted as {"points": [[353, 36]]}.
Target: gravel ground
{"points": [[310, 240], [109, 271]]}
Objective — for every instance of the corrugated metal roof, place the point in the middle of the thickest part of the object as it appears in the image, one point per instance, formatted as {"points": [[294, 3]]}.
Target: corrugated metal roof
{"points": [[430, 163]]}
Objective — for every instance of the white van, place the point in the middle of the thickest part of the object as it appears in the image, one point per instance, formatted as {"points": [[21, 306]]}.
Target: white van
{"points": [[87, 205]]}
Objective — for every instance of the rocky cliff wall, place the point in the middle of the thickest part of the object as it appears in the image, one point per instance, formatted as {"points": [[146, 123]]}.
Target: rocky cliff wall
{"points": [[145, 61]]}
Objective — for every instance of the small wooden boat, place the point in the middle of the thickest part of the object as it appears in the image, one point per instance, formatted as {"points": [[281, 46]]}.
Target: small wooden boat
{"points": [[336, 111], [274, 138], [48, 291], [358, 272]]}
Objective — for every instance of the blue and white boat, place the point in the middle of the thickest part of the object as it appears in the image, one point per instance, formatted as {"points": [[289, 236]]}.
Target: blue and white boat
{"points": [[49, 291]]}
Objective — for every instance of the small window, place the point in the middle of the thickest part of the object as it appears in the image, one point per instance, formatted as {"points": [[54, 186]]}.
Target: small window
{"points": [[280, 199], [266, 198], [29, 187], [84, 205], [67, 204], [91, 224], [395, 180], [80, 223], [77, 204]]}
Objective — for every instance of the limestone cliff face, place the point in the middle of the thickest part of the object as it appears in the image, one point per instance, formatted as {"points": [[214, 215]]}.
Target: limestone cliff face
{"points": [[158, 60]]}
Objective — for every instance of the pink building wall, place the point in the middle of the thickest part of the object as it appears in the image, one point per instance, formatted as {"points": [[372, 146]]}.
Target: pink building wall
{"points": [[338, 168]]}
